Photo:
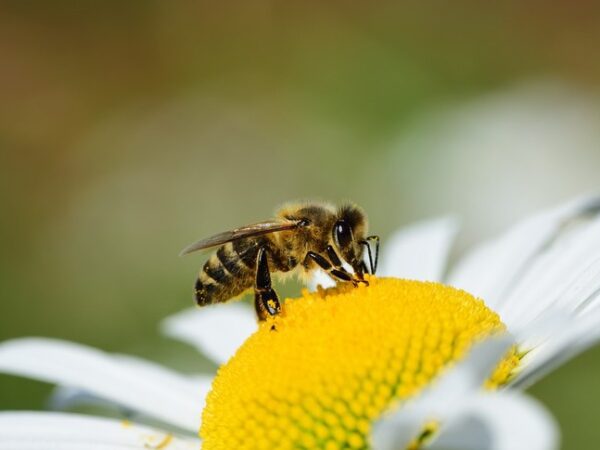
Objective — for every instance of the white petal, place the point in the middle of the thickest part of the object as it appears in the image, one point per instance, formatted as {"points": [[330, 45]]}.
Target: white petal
{"points": [[397, 429], [66, 397], [498, 421], [419, 251], [563, 344], [217, 331], [563, 277], [58, 431], [139, 385], [470, 419], [493, 268], [562, 286], [196, 386], [320, 278]]}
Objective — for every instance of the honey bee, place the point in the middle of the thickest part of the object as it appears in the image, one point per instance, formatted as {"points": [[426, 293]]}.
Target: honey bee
{"points": [[301, 238]]}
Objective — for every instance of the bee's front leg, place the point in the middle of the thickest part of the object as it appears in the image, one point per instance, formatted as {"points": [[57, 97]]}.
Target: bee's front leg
{"points": [[337, 263], [334, 268], [266, 301]]}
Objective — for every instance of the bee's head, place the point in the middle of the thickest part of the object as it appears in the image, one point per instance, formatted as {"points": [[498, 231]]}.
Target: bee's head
{"points": [[349, 231]]}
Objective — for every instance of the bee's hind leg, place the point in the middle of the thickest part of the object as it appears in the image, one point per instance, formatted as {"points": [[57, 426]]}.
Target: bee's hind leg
{"points": [[266, 301]]}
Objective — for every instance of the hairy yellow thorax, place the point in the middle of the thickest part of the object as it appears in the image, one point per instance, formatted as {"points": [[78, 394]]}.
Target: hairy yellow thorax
{"points": [[319, 374]]}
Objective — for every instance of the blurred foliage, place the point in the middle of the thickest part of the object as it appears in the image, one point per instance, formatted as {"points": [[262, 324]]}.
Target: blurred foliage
{"points": [[129, 129]]}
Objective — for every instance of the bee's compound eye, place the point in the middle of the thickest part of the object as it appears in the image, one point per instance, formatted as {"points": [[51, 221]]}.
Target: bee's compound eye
{"points": [[342, 233]]}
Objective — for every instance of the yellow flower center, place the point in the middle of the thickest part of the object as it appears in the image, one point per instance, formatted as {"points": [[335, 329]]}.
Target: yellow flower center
{"points": [[317, 375]]}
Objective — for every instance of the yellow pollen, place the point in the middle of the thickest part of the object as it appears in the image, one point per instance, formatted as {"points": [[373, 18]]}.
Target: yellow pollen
{"points": [[318, 374]]}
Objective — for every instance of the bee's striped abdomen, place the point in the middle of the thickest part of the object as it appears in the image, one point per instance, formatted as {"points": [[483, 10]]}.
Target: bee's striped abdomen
{"points": [[226, 274]]}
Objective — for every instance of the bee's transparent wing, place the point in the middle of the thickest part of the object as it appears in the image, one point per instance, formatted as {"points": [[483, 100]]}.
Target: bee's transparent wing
{"points": [[255, 229]]}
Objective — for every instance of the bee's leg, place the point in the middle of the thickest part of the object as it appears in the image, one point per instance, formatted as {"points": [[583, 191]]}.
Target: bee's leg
{"points": [[337, 263], [265, 298], [363, 269], [338, 273]]}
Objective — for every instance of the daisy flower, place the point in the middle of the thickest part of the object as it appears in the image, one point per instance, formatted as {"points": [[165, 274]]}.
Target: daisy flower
{"points": [[354, 367]]}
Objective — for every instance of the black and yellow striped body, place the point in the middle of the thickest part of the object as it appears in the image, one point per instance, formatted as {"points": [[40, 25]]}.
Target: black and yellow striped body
{"points": [[227, 273], [231, 270]]}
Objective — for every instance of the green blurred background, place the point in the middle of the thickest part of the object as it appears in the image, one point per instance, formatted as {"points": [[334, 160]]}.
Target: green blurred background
{"points": [[129, 129]]}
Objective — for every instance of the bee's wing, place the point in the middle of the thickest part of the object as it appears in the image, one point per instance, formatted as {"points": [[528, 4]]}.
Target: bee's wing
{"points": [[255, 229]]}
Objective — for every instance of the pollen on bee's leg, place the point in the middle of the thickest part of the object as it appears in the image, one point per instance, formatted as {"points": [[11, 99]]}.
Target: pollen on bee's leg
{"points": [[340, 358], [272, 305]]}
